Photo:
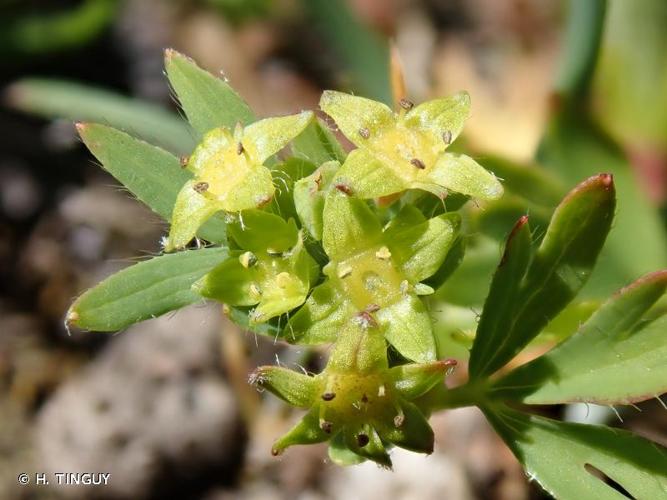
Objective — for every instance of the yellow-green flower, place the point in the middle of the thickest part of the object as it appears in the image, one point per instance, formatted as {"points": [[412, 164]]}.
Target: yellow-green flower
{"points": [[375, 275], [406, 150], [229, 173], [358, 403], [268, 268]]}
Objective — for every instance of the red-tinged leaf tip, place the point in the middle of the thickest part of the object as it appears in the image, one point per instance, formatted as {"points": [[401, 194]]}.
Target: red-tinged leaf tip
{"points": [[607, 180], [657, 277], [523, 220]]}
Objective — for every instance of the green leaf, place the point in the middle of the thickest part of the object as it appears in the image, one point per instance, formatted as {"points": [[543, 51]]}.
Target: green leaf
{"points": [[559, 269], [617, 356], [462, 174], [321, 317], [143, 291], [286, 176], [340, 454], [503, 299], [574, 148], [317, 144], [152, 174], [310, 193], [263, 232], [366, 176], [363, 53], [440, 116], [266, 137], [350, 226], [191, 211], [353, 113], [564, 457], [78, 102], [209, 102], [297, 389], [408, 329], [33, 32], [421, 248]]}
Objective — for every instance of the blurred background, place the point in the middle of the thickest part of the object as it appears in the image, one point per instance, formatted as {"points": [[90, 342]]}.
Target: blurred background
{"points": [[164, 407]]}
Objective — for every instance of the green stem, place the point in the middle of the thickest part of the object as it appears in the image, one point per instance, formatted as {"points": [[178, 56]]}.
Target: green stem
{"points": [[459, 397], [583, 35]]}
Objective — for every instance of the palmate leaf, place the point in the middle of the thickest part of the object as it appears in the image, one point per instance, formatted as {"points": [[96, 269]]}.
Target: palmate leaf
{"points": [[617, 356], [564, 457], [143, 291], [208, 101], [152, 174], [557, 271]]}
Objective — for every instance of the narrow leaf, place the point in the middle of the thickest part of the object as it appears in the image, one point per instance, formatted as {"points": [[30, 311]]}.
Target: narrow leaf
{"points": [[560, 268], [77, 102], [617, 356], [503, 299], [152, 174], [208, 101], [143, 291], [563, 457]]}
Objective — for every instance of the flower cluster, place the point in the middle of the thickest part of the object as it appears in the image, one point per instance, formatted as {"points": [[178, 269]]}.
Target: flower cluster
{"points": [[363, 293]]}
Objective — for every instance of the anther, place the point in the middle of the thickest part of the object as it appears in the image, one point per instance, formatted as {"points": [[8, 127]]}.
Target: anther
{"points": [[362, 440], [366, 320], [343, 188], [184, 161], [248, 259], [418, 163], [201, 187], [447, 137], [328, 396], [371, 308], [406, 104], [399, 419], [239, 148], [383, 253], [326, 426], [364, 132]]}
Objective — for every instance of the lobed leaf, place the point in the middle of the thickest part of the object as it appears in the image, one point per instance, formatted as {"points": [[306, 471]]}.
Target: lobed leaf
{"points": [[151, 174], [143, 291], [566, 458], [209, 102], [617, 356], [559, 269]]}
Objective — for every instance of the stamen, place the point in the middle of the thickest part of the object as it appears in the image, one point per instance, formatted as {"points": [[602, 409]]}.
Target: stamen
{"points": [[418, 163], [239, 148], [362, 440], [406, 104], [201, 187], [364, 132], [344, 188], [447, 137]]}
